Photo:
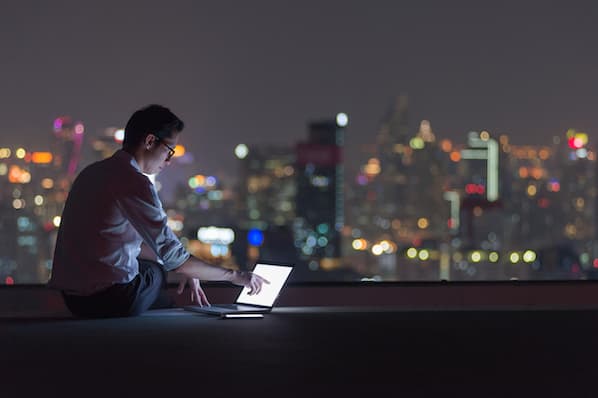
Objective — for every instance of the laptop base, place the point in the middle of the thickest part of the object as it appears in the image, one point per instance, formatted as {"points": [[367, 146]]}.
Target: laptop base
{"points": [[227, 309]]}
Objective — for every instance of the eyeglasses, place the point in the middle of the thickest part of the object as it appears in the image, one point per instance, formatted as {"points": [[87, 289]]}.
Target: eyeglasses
{"points": [[170, 149]]}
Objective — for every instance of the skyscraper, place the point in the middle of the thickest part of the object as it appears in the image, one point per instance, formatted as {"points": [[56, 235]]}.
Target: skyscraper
{"points": [[266, 205], [397, 199], [320, 188]]}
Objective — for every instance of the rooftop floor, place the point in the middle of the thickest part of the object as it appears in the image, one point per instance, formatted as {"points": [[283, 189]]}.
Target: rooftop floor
{"points": [[386, 340], [305, 351]]}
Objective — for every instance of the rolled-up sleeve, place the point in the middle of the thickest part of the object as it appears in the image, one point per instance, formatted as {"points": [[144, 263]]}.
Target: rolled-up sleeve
{"points": [[142, 207]]}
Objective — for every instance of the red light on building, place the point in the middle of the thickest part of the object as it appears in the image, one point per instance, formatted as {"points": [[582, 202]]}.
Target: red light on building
{"points": [[318, 155], [475, 189], [543, 203], [9, 280], [575, 142], [49, 226]]}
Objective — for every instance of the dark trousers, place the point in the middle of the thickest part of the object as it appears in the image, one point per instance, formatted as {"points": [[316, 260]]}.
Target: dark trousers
{"points": [[146, 291]]}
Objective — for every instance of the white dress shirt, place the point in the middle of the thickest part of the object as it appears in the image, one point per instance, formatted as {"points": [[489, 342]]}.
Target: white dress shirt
{"points": [[111, 209]]}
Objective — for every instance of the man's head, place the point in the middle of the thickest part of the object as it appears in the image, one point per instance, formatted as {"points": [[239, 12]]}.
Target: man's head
{"points": [[151, 135]]}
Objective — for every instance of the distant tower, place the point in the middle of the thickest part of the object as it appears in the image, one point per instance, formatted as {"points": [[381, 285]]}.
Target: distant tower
{"points": [[70, 136], [389, 190], [480, 161], [398, 195], [395, 125], [320, 207], [392, 149], [425, 131], [267, 203]]}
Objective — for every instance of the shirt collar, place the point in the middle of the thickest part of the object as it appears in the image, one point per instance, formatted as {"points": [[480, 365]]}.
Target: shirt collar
{"points": [[126, 157]]}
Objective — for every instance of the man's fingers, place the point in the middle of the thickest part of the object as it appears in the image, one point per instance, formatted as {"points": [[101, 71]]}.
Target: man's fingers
{"points": [[198, 298], [201, 299], [204, 297], [257, 287], [256, 283], [181, 287], [197, 294]]}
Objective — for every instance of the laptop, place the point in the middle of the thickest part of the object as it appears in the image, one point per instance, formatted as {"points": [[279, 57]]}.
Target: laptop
{"points": [[262, 302]]}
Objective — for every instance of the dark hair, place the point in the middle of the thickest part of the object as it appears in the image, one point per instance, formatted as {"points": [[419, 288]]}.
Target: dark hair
{"points": [[152, 119]]}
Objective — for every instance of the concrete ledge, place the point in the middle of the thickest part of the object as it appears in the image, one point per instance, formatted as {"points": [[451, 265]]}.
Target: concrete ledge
{"points": [[38, 301], [448, 294]]}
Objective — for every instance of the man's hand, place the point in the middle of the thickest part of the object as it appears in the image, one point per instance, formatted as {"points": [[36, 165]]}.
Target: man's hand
{"points": [[197, 293], [249, 279]]}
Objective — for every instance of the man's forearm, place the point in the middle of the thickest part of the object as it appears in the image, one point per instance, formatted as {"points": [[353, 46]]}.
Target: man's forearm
{"points": [[195, 268]]}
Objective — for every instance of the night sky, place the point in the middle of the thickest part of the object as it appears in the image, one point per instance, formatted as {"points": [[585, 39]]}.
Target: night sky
{"points": [[258, 71]]}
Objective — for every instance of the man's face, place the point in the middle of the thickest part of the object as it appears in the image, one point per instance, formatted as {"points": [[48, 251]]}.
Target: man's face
{"points": [[160, 154]]}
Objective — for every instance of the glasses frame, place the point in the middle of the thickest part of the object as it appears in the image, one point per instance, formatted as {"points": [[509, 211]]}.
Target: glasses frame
{"points": [[171, 150]]}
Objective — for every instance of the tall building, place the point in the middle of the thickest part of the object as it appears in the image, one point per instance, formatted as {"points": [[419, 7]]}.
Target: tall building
{"points": [[69, 145], [320, 194], [266, 204], [479, 187], [268, 187], [397, 198]]}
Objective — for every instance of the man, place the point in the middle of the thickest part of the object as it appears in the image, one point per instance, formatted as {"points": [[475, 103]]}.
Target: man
{"points": [[114, 246]]}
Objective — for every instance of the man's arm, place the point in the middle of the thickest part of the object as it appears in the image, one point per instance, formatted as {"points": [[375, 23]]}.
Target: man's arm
{"points": [[194, 268]]}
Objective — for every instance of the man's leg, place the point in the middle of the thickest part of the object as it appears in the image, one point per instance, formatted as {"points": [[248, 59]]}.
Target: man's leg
{"points": [[151, 292], [129, 299], [115, 301]]}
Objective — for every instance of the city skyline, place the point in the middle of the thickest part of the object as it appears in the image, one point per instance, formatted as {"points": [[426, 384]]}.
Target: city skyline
{"points": [[183, 168], [259, 73], [396, 207]]}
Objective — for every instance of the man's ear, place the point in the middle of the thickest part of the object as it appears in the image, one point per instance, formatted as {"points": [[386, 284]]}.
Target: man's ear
{"points": [[150, 139]]}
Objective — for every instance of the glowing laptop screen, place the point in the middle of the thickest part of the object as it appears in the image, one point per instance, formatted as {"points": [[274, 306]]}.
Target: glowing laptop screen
{"points": [[276, 275]]}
